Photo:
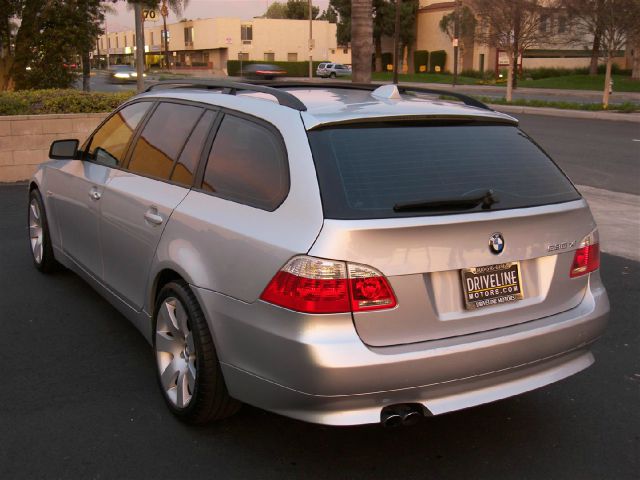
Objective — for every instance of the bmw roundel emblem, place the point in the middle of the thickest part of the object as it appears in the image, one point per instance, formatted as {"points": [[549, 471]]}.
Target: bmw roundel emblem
{"points": [[496, 243]]}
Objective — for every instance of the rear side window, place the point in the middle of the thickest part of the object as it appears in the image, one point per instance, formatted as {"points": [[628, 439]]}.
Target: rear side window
{"points": [[109, 143], [247, 164], [162, 139], [365, 171]]}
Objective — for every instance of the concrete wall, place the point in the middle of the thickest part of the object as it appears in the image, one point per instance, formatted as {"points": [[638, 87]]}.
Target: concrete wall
{"points": [[25, 139]]}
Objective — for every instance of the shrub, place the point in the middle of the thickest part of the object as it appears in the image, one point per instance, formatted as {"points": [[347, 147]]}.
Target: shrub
{"points": [[294, 69], [34, 102], [421, 58], [438, 59]]}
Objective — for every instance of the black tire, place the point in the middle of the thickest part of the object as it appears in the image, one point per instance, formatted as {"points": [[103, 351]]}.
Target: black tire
{"points": [[47, 262], [332, 75], [210, 399]]}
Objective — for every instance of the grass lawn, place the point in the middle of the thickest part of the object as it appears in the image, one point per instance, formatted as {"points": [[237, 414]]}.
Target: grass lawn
{"points": [[584, 82], [621, 83], [424, 77]]}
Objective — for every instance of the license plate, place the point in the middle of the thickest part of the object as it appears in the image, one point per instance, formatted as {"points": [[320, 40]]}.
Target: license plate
{"points": [[491, 285]]}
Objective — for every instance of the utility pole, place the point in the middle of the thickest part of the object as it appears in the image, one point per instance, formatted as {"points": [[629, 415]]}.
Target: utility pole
{"points": [[165, 11], [139, 47], [106, 36], [396, 43], [456, 41], [310, 40]]}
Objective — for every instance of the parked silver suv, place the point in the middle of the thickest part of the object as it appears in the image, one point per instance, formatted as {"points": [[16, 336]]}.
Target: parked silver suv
{"points": [[333, 253], [332, 70]]}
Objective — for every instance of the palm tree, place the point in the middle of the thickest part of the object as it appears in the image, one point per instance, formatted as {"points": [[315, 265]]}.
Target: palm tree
{"points": [[361, 39]]}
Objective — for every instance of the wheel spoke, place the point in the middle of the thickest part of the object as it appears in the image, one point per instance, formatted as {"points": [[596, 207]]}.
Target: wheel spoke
{"points": [[190, 343], [35, 211], [191, 377], [182, 395], [34, 230], [166, 343], [181, 318], [166, 320], [39, 250], [169, 376]]}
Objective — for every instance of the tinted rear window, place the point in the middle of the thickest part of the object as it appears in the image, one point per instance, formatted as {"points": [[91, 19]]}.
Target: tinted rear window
{"points": [[364, 171]]}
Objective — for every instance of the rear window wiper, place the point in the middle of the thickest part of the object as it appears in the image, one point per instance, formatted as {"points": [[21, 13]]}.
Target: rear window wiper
{"points": [[461, 203]]}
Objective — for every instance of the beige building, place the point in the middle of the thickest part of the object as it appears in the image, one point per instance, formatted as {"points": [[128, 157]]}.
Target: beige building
{"points": [[209, 43]]}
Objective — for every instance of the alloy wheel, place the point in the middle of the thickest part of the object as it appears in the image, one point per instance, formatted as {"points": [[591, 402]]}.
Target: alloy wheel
{"points": [[175, 352], [36, 233]]}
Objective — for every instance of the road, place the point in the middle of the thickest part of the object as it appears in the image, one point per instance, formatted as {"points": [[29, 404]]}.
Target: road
{"points": [[99, 83], [79, 398]]}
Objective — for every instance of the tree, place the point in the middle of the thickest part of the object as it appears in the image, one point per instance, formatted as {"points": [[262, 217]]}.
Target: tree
{"points": [[343, 10], [618, 22], [299, 10], [512, 26], [276, 10], [330, 15], [467, 29], [408, 32], [361, 39], [383, 25]]}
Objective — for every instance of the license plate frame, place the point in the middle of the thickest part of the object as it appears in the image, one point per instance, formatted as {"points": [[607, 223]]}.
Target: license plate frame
{"points": [[490, 291]]}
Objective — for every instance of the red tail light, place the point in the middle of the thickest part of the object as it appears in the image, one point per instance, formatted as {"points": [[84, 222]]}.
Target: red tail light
{"points": [[587, 257], [314, 285]]}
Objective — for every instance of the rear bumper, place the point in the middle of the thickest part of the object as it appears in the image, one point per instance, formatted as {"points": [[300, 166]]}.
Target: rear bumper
{"points": [[316, 368]]}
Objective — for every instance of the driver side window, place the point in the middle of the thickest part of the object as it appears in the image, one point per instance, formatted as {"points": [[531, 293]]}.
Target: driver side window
{"points": [[109, 143]]}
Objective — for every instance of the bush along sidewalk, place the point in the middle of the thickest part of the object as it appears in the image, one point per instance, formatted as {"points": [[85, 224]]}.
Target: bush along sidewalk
{"points": [[37, 102]]}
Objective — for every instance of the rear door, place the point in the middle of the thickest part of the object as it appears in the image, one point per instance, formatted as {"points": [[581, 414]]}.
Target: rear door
{"points": [[138, 200], [446, 259]]}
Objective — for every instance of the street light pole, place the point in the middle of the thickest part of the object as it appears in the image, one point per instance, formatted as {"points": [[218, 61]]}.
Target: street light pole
{"points": [[396, 43], [165, 11], [139, 47], [310, 39]]}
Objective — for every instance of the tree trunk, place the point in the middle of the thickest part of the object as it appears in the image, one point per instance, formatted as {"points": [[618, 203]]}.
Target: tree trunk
{"points": [[86, 72], [607, 81], [405, 63], [379, 54], [361, 40], [509, 96], [411, 64], [595, 53]]}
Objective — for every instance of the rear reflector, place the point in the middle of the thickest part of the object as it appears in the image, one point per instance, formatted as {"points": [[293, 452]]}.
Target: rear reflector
{"points": [[315, 285], [586, 258]]}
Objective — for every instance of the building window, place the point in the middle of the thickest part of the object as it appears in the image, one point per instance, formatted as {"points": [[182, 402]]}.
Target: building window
{"points": [[151, 38], [269, 56], [188, 36], [243, 56], [117, 46], [108, 42], [562, 24], [345, 50], [544, 23], [246, 34], [292, 57]]}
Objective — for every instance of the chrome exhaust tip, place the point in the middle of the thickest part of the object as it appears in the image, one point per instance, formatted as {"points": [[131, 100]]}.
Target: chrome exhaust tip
{"points": [[391, 418], [401, 414]]}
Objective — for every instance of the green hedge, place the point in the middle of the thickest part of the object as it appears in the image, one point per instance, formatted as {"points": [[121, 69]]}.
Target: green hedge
{"points": [[421, 57], [34, 102], [438, 58], [294, 69]]}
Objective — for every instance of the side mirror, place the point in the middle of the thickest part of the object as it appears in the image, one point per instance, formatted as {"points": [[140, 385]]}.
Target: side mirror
{"points": [[64, 149]]}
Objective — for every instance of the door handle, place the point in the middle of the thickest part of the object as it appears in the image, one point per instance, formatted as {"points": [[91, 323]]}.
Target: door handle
{"points": [[94, 194], [152, 216]]}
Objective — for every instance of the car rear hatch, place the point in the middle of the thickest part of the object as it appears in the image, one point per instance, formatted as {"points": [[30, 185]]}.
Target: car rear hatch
{"points": [[429, 203]]}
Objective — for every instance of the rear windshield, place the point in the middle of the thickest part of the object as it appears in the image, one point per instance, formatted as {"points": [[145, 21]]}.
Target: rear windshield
{"points": [[364, 171]]}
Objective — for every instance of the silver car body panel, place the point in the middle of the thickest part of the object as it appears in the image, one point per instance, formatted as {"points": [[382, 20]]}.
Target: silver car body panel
{"points": [[337, 369]]}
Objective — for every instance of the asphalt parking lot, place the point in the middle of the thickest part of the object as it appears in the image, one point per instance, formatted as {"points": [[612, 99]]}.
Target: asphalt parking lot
{"points": [[79, 400]]}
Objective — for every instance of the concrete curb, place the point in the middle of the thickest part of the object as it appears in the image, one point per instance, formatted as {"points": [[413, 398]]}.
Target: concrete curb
{"points": [[557, 112]]}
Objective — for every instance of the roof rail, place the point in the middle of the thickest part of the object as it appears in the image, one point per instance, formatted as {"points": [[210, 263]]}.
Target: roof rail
{"points": [[466, 99], [285, 99]]}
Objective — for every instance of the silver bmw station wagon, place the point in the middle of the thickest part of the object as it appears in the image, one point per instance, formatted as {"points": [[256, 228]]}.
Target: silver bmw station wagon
{"points": [[335, 253]]}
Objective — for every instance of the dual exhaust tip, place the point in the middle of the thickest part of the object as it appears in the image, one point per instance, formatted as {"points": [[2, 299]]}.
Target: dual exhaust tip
{"points": [[402, 414]]}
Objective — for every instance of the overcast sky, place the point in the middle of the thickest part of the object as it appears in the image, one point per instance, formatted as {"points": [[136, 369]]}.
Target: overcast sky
{"points": [[123, 18]]}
